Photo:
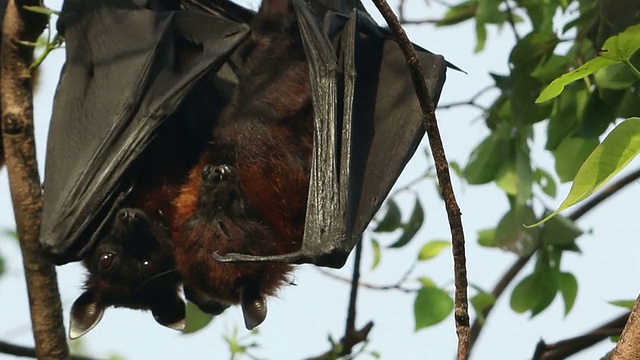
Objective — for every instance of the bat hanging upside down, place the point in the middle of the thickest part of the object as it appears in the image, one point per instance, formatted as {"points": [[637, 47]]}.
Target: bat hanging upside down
{"points": [[314, 118]]}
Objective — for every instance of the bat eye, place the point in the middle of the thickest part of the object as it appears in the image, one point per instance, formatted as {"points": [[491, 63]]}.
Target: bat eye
{"points": [[106, 261], [148, 267]]}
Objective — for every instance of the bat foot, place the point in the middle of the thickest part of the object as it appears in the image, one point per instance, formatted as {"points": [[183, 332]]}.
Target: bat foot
{"points": [[297, 257]]}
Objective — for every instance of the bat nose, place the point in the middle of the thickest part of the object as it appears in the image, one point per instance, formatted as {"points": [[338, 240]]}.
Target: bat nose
{"points": [[129, 216]]}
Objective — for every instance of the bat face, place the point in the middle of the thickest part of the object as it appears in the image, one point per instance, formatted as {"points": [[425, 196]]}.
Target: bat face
{"points": [[133, 266]]}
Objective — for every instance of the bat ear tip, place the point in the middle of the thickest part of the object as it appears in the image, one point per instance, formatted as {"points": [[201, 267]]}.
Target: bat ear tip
{"points": [[254, 311], [86, 313]]}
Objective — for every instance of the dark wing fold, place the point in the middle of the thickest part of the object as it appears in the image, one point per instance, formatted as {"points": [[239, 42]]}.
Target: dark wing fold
{"points": [[128, 68]]}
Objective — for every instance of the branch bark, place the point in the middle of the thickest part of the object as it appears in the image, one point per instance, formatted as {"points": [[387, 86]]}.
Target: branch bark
{"points": [[444, 179], [628, 347], [16, 88]]}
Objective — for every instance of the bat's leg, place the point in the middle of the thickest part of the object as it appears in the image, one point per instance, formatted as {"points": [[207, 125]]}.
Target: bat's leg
{"points": [[327, 237]]}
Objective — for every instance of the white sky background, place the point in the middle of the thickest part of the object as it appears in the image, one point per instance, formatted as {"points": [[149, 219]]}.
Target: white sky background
{"points": [[302, 317]]}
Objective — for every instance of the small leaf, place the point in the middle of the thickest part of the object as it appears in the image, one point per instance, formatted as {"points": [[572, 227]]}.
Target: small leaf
{"points": [[426, 282], [555, 88], [568, 285], [392, 219], [627, 304], [432, 305], [614, 153], [432, 249], [411, 227], [487, 237], [535, 293], [3, 266], [480, 302], [560, 231], [41, 10], [545, 181], [377, 254], [196, 319], [511, 235], [616, 49]]}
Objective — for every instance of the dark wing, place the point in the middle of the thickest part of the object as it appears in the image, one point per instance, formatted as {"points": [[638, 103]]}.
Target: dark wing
{"points": [[365, 134], [128, 68]]}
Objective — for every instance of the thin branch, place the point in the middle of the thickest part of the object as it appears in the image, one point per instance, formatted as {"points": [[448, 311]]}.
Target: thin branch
{"points": [[512, 23], [395, 286], [351, 337], [25, 351], [471, 101], [519, 264], [628, 347], [565, 348], [442, 171], [19, 147]]}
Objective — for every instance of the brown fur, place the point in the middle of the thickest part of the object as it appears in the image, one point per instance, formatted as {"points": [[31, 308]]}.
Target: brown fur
{"points": [[266, 134]]}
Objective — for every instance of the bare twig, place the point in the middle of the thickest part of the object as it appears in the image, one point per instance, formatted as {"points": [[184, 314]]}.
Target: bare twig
{"points": [[352, 337], [442, 171], [19, 147], [628, 347], [512, 23], [25, 351], [395, 286], [519, 264], [565, 348]]}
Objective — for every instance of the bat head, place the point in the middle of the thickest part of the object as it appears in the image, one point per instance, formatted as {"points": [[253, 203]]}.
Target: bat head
{"points": [[133, 266]]}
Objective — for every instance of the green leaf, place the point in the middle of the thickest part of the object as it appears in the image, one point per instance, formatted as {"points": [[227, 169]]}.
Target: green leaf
{"points": [[609, 158], [3, 266], [377, 253], [480, 302], [432, 249], [459, 13], [411, 227], [511, 235], [457, 169], [570, 155], [597, 117], [568, 285], [487, 237], [534, 293], [196, 319], [41, 10], [426, 282], [560, 230], [617, 76], [481, 37], [616, 49], [392, 219], [432, 305], [487, 159], [545, 181], [627, 304]]}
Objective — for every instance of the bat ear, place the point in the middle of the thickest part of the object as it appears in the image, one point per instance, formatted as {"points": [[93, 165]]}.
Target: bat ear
{"points": [[86, 313], [254, 309], [170, 313]]}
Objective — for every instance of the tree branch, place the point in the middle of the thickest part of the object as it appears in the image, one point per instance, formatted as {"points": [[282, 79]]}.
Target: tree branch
{"points": [[19, 148], [351, 337], [565, 348], [442, 170], [519, 264], [628, 347], [24, 351]]}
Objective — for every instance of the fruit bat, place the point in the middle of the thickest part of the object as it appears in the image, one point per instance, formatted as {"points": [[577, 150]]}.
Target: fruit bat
{"points": [[366, 124]]}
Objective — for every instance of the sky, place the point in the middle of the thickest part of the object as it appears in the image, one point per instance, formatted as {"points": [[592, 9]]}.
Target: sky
{"points": [[302, 317]]}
